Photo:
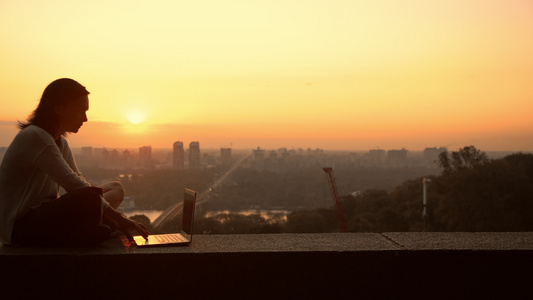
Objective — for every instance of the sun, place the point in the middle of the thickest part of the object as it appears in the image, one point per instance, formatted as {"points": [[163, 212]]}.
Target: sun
{"points": [[136, 117]]}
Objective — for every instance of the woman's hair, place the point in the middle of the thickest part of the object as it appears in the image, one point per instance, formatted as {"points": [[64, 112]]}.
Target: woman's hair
{"points": [[57, 93]]}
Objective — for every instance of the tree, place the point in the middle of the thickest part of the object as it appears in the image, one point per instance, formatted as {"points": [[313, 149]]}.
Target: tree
{"points": [[306, 221], [467, 157], [486, 196]]}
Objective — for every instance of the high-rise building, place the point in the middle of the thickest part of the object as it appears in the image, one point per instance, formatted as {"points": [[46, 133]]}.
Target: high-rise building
{"points": [[127, 159], [194, 155], [258, 158], [145, 156], [258, 154], [126, 154], [376, 157], [397, 158], [114, 155], [178, 155], [86, 157], [105, 155], [273, 155]]}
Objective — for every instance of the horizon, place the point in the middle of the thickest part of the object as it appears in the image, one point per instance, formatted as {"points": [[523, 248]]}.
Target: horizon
{"points": [[8, 130], [345, 76]]}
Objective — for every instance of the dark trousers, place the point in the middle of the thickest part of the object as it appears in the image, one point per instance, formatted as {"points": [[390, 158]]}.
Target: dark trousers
{"points": [[66, 220]]}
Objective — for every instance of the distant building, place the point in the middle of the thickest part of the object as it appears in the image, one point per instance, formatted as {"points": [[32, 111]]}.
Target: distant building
{"points": [[376, 157], [272, 162], [194, 156], [285, 155], [285, 158], [114, 155], [258, 158], [105, 155], [86, 157], [273, 155], [397, 158], [126, 154], [87, 152], [258, 155], [178, 155], [317, 151], [97, 153], [225, 155], [127, 159], [145, 156]]}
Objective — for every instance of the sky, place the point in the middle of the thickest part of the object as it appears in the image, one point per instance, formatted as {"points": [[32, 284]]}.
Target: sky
{"points": [[335, 75]]}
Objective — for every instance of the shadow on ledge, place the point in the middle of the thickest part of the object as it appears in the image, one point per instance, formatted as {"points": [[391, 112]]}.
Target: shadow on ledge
{"points": [[281, 266]]}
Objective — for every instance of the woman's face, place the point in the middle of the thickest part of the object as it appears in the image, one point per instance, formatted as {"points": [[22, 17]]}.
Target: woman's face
{"points": [[73, 114]]}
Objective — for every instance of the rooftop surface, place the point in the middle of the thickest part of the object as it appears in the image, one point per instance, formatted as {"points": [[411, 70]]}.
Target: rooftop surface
{"points": [[396, 265], [337, 242]]}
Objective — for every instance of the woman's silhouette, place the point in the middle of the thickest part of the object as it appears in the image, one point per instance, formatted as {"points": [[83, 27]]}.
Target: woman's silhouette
{"points": [[38, 162]]}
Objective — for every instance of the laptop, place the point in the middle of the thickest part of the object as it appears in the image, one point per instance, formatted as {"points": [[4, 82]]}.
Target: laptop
{"points": [[174, 239]]}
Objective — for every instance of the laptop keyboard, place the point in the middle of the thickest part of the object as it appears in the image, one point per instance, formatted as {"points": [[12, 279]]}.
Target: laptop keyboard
{"points": [[169, 238]]}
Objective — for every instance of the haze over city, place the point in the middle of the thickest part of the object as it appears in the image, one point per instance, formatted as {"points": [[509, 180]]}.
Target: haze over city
{"points": [[341, 75]]}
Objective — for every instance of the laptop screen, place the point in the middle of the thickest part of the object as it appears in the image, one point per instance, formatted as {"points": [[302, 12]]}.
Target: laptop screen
{"points": [[188, 212]]}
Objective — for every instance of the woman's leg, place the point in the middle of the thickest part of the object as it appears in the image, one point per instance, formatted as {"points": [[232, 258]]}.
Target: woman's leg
{"points": [[113, 193], [74, 218]]}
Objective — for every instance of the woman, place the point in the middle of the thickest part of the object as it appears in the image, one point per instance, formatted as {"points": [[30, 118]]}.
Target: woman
{"points": [[38, 162]]}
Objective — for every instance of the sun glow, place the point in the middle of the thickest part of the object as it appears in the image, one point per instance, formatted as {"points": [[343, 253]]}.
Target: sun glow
{"points": [[338, 75], [136, 117]]}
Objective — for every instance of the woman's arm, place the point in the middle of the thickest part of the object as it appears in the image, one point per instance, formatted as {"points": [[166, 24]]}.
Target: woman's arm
{"points": [[123, 224], [52, 162]]}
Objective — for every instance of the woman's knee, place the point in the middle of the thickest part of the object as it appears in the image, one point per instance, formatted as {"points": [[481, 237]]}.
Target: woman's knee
{"points": [[112, 186], [114, 193], [117, 187]]}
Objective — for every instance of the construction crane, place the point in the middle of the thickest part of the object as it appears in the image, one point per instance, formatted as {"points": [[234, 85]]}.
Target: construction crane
{"points": [[335, 193]]}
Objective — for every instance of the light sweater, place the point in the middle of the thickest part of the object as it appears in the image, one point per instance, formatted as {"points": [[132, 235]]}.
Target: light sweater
{"points": [[33, 169]]}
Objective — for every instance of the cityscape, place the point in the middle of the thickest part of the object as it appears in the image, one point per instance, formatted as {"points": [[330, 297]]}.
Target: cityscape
{"points": [[286, 190], [180, 157], [299, 174], [270, 183], [266, 181]]}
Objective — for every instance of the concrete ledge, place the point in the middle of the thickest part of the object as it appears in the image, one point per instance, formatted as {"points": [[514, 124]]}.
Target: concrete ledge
{"points": [[355, 265]]}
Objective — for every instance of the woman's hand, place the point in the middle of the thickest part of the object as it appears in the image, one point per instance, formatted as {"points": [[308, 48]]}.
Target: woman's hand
{"points": [[124, 224]]}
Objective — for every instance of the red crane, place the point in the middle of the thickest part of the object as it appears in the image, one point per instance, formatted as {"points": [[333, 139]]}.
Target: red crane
{"points": [[335, 193]]}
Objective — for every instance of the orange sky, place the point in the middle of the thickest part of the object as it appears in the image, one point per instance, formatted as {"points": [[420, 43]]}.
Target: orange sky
{"points": [[352, 75]]}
